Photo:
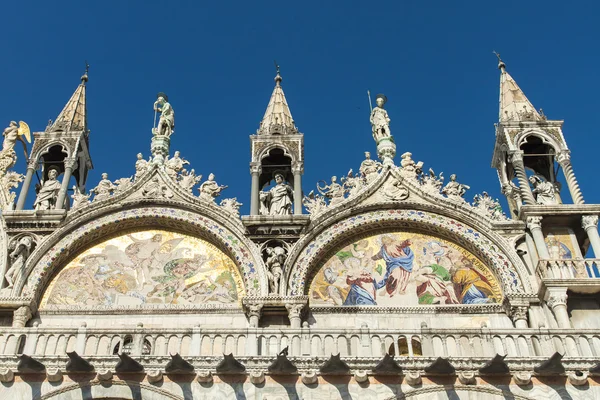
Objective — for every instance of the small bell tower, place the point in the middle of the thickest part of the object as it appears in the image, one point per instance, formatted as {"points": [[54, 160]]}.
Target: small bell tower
{"points": [[277, 149], [62, 147]]}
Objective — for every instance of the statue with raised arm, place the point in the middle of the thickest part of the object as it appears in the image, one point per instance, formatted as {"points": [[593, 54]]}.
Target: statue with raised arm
{"points": [[453, 189], [380, 121], [48, 192], [334, 191], [278, 200], [189, 179], [166, 122], [11, 134], [209, 190]]}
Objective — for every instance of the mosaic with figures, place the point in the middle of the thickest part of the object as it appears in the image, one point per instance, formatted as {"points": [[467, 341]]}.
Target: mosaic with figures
{"points": [[147, 267], [403, 269]]}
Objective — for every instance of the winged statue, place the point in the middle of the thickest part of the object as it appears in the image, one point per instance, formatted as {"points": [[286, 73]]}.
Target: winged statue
{"points": [[11, 134]]}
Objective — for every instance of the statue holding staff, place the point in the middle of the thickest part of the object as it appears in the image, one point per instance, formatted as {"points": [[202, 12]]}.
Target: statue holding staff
{"points": [[166, 122]]}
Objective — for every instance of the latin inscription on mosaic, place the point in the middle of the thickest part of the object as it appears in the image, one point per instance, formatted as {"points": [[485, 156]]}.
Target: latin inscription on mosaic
{"points": [[403, 269], [147, 267]]}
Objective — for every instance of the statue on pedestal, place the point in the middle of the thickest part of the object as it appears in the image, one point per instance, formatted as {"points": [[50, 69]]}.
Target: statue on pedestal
{"points": [[380, 121], [275, 259], [20, 251], [79, 199], [278, 200], [48, 192], [334, 191], [454, 189], [104, 189], [11, 134], [369, 169], [166, 122], [189, 179], [141, 166], [543, 191], [174, 165], [209, 189]]}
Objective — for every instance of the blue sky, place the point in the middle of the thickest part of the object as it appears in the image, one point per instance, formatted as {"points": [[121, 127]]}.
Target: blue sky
{"points": [[433, 60]]}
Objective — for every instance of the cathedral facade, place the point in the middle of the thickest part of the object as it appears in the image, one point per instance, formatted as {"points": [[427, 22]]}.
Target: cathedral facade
{"points": [[383, 284]]}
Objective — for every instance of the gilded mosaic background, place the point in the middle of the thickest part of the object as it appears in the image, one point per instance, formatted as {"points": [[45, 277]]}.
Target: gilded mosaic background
{"points": [[403, 269], [147, 267]]}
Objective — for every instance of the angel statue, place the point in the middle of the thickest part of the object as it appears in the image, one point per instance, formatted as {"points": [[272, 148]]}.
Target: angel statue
{"points": [[11, 134], [334, 191], [166, 122], [380, 121]]}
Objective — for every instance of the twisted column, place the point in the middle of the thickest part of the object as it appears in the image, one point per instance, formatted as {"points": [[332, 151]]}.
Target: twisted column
{"points": [[564, 159], [534, 224], [255, 170], [590, 224], [519, 167], [32, 166]]}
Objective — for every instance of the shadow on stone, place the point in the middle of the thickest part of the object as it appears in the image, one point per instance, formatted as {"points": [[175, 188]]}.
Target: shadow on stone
{"points": [[229, 365], [128, 364], [334, 366], [282, 366], [552, 366], [496, 366], [29, 365], [77, 364], [178, 365], [441, 366], [387, 366]]}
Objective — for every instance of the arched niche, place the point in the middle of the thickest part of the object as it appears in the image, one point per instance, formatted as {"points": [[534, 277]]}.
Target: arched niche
{"points": [[64, 244], [403, 268], [313, 252], [147, 267]]}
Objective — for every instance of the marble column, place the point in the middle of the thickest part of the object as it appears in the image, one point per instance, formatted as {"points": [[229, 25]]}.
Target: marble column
{"points": [[20, 316], [255, 170], [294, 312], [297, 170], [564, 159], [557, 301], [519, 316], [62, 193], [253, 311], [534, 224], [590, 224], [32, 166], [519, 167]]}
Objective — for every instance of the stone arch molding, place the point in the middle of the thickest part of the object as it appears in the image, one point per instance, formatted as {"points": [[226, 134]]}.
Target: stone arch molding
{"points": [[454, 391], [496, 253], [68, 241], [550, 139], [116, 390], [286, 151]]}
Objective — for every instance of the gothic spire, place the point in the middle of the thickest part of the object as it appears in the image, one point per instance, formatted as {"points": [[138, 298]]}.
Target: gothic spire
{"points": [[73, 117], [514, 105], [278, 118]]}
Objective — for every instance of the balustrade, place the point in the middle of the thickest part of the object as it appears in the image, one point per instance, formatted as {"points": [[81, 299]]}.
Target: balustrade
{"points": [[305, 342], [576, 268]]}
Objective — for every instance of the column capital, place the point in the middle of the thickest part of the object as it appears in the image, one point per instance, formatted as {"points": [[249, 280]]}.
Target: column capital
{"points": [[298, 168], [589, 221], [20, 316], [563, 157], [516, 157], [556, 299], [518, 313], [32, 163], [254, 310], [70, 162], [255, 168], [294, 310], [534, 222]]}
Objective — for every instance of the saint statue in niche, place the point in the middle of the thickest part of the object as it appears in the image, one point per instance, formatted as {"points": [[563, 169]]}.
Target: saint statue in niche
{"points": [[278, 200]]}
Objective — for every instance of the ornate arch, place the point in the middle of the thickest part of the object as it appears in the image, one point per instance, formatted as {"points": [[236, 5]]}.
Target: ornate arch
{"points": [[313, 251], [43, 149], [555, 142], [283, 146], [426, 392], [74, 237]]}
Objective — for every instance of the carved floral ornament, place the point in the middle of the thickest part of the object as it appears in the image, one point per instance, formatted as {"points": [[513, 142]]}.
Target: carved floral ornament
{"points": [[310, 252], [216, 229]]}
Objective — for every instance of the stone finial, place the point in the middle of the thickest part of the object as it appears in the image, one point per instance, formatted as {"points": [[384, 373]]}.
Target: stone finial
{"points": [[467, 377], [104, 375], [361, 376], [154, 376], [522, 378], [578, 378], [54, 375], [413, 378], [7, 375]]}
